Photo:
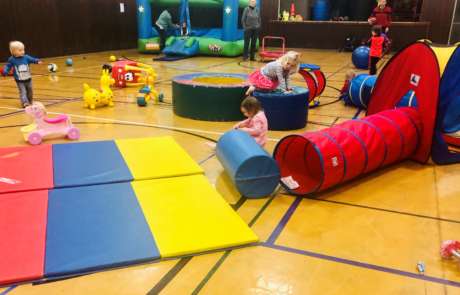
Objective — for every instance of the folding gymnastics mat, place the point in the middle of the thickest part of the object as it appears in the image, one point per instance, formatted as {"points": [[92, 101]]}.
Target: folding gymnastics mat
{"points": [[89, 211]]}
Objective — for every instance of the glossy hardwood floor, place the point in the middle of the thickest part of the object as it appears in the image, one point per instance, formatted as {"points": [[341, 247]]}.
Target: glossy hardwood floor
{"points": [[365, 237]]}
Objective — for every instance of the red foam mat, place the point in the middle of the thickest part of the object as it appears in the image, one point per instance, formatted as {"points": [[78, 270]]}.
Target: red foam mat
{"points": [[23, 218], [26, 168]]}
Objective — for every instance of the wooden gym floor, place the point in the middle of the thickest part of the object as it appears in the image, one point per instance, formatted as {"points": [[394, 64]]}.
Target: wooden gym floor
{"points": [[365, 237]]}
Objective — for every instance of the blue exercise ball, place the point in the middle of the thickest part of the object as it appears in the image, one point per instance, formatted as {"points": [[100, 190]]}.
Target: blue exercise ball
{"points": [[360, 57], [69, 62]]}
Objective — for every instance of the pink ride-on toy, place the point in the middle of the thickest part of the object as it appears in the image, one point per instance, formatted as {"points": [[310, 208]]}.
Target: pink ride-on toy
{"points": [[44, 126], [272, 54]]}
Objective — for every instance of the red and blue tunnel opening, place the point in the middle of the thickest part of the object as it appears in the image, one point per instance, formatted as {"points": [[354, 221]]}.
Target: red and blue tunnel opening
{"points": [[322, 159]]}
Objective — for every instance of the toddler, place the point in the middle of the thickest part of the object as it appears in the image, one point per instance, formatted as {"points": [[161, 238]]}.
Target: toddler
{"points": [[275, 75], [256, 123], [377, 43], [349, 75], [19, 62]]}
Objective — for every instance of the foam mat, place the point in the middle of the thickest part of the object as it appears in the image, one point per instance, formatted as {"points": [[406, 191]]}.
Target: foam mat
{"points": [[22, 235], [156, 157], [186, 215], [86, 163], [26, 168], [95, 227]]}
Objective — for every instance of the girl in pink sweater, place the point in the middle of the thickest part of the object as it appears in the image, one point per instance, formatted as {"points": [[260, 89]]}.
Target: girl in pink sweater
{"points": [[256, 123]]}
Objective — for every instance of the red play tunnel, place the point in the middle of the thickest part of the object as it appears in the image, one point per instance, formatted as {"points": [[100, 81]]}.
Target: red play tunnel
{"points": [[319, 160]]}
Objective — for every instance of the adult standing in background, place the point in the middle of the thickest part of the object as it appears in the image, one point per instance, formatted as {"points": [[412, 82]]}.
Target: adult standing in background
{"points": [[381, 16], [251, 25], [162, 25]]}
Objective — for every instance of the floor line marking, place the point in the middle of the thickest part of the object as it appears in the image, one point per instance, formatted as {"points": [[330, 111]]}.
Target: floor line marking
{"points": [[364, 265], [136, 123]]}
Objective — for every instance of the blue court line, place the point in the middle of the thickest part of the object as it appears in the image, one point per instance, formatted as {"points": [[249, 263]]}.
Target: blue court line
{"points": [[270, 243], [365, 265], [282, 224], [11, 288]]}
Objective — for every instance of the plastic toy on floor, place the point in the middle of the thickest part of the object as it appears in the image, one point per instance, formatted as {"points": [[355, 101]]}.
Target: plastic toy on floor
{"points": [[44, 126], [148, 92], [450, 249], [93, 98]]}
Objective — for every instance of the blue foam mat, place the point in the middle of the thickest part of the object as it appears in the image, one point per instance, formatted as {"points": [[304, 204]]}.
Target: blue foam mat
{"points": [[86, 163], [95, 227]]}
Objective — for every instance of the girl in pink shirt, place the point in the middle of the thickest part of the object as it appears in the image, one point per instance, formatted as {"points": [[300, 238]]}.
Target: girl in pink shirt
{"points": [[256, 123]]}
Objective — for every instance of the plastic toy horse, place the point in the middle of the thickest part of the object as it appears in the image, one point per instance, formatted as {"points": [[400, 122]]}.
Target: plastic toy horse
{"points": [[44, 126], [94, 98]]}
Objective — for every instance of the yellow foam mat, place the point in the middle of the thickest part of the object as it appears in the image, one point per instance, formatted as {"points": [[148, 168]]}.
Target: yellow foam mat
{"points": [[186, 215], [156, 157]]}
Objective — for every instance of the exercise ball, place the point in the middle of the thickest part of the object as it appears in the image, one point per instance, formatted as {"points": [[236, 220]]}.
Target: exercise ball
{"points": [[321, 10], [69, 62], [52, 68], [360, 57]]}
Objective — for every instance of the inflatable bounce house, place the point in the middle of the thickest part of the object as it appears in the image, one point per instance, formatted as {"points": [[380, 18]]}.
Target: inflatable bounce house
{"points": [[225, 41], [392, 131]]}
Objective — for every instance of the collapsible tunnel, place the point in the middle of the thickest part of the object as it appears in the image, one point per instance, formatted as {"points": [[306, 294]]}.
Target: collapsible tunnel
{"points": [[319, 160], [360, 90], [315, 79]]}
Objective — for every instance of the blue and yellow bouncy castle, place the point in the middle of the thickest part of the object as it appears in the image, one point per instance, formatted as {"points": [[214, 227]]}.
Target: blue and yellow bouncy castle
{"points": [[225, 41]]}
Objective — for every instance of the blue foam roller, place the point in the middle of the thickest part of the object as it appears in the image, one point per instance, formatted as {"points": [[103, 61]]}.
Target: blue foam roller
{"points": [[95, 227], [253, 171], [285, 111], [360, 90], [86, 163]]}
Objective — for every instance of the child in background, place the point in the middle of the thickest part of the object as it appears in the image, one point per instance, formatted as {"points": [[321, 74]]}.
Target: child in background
{"points": [[20, 61], [256, 123], [381, 16], [349, 75], [275, 75], [377, 43]]}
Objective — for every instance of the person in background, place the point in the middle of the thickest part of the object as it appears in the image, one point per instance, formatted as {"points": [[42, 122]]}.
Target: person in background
{"points": [[20, 61], [275, 75], [381, 16], [251, 23], [162, 25], [256, 123], [377, 43]]}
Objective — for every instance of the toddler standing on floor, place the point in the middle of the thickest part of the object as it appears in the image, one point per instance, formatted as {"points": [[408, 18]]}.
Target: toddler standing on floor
{"points": [[20, 61], [256, 123], [377, 42], [275, 75]]}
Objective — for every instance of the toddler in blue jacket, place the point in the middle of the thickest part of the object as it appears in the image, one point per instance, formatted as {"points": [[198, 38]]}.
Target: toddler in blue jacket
{"points": [[20, 61]]}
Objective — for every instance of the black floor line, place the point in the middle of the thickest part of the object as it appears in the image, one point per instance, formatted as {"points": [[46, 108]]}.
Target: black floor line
{"points": [[216, 266], [386, 210], [170, 275], [240, 203]]}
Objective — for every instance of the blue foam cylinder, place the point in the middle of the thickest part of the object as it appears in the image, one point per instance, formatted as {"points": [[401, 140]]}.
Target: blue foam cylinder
{"points": [[285, 111], [253, 171], [360, 57], [144, 19], [321, 10], [360, 90], [230, 20]]}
